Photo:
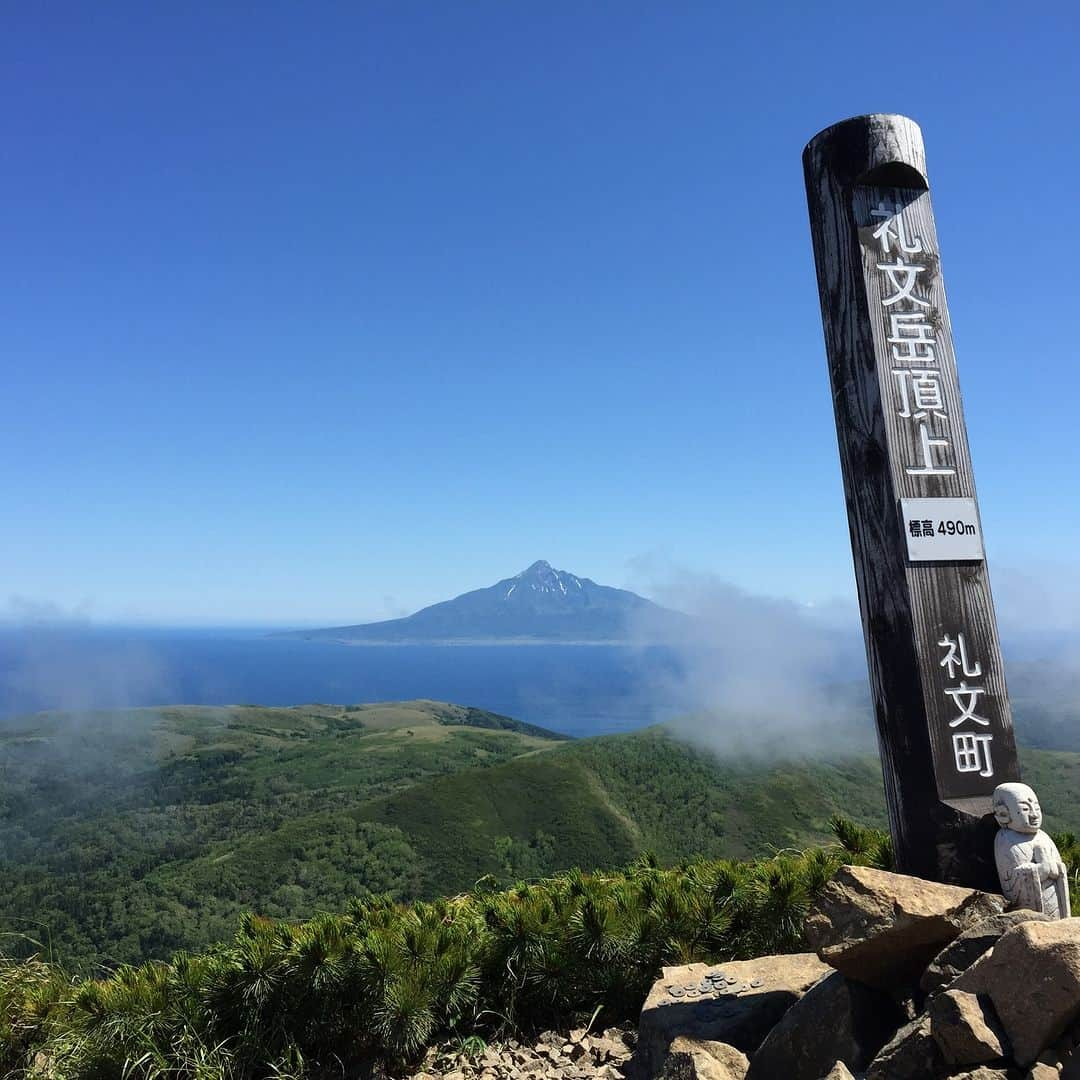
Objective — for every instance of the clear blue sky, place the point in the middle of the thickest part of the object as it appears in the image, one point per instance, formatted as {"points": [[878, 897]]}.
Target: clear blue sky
{"points": [[314, 313]]}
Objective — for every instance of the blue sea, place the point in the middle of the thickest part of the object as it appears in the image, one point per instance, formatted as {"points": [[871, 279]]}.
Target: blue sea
{"points": [[574, 689]]}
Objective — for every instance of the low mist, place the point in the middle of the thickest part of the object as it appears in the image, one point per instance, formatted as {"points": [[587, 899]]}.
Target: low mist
{"points": [[768, 677], [759, 675], [50, 660]]}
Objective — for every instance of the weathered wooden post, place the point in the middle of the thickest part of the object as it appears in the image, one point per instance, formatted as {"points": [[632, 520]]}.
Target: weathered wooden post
{"points": [[942, 711]]}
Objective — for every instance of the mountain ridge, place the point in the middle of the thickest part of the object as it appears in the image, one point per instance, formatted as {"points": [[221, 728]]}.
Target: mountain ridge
{"points": [[539, 605]]}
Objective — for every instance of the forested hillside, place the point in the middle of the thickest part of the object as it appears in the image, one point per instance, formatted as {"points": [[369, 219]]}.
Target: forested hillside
{"points": [[126, 836], [129, 834]]}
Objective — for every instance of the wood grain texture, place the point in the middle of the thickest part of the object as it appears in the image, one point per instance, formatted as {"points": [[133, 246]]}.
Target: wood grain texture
{"points": [[939, 815]]}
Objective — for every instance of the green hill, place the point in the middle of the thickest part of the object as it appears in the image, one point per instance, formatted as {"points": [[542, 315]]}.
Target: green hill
{"points": [[103, 815], [601, 801], [129, 835]]}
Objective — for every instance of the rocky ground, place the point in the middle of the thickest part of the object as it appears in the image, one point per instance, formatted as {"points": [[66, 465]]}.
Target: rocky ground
{"points": [[909, 980], [575, 1055]]}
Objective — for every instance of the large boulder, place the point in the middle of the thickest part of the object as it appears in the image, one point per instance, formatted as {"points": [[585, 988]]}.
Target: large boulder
{"points": [[911, 1054], [836, 1021], [702, 1059], [735, 1003], [1032, 977], [966, 1029], [960, 954], [883, 929]]}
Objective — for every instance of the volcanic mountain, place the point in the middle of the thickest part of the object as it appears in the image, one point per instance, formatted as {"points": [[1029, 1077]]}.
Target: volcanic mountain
{"points": [[540, 604]]}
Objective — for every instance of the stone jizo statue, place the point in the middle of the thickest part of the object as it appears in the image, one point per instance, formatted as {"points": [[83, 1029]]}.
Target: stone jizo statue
{"points": [[1028, 861]]}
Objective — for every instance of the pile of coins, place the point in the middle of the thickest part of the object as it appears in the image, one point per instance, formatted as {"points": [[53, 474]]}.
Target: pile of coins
{"points": [[715, 982]]}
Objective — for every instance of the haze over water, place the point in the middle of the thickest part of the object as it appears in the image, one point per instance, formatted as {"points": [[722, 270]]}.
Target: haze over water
{"points": [[574, 689], [578, 690]]}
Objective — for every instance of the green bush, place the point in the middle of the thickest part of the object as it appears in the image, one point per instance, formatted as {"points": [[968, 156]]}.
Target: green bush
{"points": [[384, 981]]}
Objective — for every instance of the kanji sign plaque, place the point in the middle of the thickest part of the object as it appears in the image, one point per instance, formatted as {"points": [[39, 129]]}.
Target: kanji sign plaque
{"points": [[940, 703]]}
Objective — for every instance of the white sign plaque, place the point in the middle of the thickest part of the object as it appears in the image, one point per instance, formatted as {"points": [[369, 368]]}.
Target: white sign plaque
{"points": [[941, 530]]}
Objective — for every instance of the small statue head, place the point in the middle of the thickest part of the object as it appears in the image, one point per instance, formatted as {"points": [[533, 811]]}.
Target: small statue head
{"points": [[1017, 807]]}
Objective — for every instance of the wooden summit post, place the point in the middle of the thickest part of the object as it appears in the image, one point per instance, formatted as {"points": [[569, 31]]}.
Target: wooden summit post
{"points": [[942, 711]]}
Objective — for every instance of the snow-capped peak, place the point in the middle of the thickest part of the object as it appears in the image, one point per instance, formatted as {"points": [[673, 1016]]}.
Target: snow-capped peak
{"points": [[541, 566], [542, 577]]}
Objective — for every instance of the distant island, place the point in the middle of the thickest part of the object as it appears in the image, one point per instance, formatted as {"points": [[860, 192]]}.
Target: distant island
{"points": [[540, 605]]}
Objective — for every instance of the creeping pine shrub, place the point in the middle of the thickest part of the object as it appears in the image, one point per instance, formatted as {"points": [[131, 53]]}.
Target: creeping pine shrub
{"points": [[32, 997], [1069, 846], [384, 981]]}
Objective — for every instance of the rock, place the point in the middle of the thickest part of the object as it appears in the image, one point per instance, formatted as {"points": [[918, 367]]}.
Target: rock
{"points": [[909, 999], [985, 1072], [744, 1000], [1032, 977], [912, 1054], [41, 1068], [965, 1029], [703, 1059], [836, 1021], [839, 1072], [1041, 1071], [883, 929], [601, 1057], [959, 955], [606, 1049]]}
